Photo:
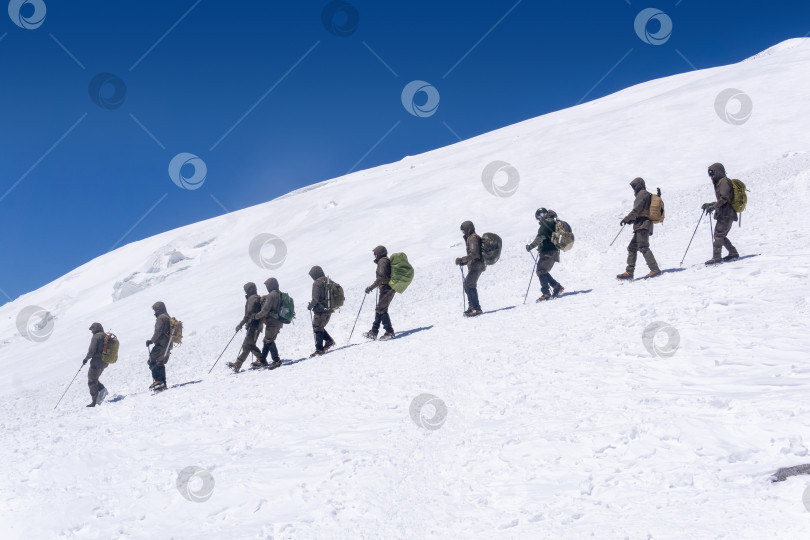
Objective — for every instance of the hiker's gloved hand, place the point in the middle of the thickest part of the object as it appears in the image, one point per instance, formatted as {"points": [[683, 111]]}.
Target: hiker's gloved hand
{"points": [[458, 261], [529, 247], [239, 327], [309, 306], [148, 342], [84, 361], [709, 207], [369, 289], [623, 222]]}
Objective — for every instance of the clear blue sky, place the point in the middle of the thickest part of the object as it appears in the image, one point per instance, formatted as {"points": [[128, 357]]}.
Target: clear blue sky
{"points": [[76, 177]]}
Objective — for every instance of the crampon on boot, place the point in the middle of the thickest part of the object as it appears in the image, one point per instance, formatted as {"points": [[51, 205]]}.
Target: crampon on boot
{"points": [[388, 335], [557, 291], [370, 335], [544, 298], [625, 276]]}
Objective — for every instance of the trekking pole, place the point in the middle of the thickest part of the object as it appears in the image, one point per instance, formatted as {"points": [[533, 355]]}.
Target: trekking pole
{"points": [[617, 236], [693, 236], [358, 317], [463, 290], [711, 228], [68, 387], [223, 352], [534, 263]]}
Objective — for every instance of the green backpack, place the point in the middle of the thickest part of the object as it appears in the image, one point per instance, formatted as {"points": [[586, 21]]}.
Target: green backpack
{"points": [[286, 312], [109, 353], [491, 245], [740, 198], [334, 295], [401, 272]]}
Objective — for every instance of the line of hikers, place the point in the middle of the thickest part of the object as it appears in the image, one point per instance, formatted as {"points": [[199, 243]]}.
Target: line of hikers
{"points": [[272, 311]]}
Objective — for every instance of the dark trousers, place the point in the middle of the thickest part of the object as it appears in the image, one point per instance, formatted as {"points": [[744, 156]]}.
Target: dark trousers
{"points": [[545, 262], [640, 242], [272, 350], [320, 337], [385, 320], [97, 367], [721, 240], [249, 345], [158, 372]]}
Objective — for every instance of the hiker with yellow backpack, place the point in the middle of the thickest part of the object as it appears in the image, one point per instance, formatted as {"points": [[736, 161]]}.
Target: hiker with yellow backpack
{"points": [[731, 198], [103, 351], [640, 217], [168, 333]]}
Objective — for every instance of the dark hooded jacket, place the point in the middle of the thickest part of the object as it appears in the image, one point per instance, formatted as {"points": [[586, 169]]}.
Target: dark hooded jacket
{"points": [[547, 228], [383, 268], [163, 325], [474, 259], [96, 342], [320, 302], [271, 303], [640, 215], [253, 304], [724, 191]]}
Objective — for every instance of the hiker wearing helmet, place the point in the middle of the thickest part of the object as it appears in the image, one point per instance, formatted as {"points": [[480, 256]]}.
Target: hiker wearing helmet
{"points": [[474, 262], [548, 254], [161, 339], [320, 307], [386, 295], [271, 304], [639, 216], [97, 365], [723, 213], [253, 304]]}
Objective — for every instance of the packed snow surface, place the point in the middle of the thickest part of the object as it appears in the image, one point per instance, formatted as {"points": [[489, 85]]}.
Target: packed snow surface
{"points": [[554, 420]]}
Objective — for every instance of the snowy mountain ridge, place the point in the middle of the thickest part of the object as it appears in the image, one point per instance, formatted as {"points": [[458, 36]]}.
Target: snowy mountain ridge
{"points": [[559, 422]]}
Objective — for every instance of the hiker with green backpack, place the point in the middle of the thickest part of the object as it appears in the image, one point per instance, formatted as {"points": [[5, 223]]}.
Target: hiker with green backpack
{"points": [[383, 283], [474, 261], [103, 351], [639, 216], [163, 338], [327, 296], [548, 253], [731, 198], [273, 314]]}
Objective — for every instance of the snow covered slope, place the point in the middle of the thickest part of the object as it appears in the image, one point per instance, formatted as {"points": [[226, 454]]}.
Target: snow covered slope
{"points": [[559, 421]]}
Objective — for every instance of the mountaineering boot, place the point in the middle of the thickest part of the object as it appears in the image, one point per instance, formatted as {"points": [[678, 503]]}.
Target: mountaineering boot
{"points": [[233, 367], [91, 405], [713, 261], [316, 353], [159, 386], [653, 273], [387, 336], [101, 395], [731, 257], [557, 290], [625, 276], [259, 364], [371, 334], [154, 385], [274, 364], [329, 344], [544, 298], [468, 311]]}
